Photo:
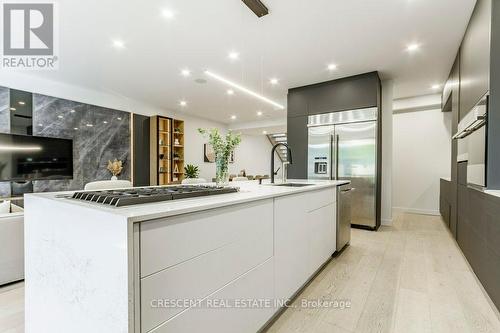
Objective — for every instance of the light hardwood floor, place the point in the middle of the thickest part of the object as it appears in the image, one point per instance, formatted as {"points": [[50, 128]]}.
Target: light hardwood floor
{"points": [[410, 277], [12, 308]]}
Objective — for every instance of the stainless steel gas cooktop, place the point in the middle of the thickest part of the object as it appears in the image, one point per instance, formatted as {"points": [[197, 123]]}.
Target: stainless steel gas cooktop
{"points": [[141, 195]]}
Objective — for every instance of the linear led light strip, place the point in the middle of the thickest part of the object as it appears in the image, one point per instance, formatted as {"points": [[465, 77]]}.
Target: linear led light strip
{"points": [[245, 90], [15, 148]]}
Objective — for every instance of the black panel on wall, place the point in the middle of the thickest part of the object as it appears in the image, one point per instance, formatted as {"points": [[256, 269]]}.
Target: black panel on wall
{"points": [[99, 134], [141, 150], [297, 141]]}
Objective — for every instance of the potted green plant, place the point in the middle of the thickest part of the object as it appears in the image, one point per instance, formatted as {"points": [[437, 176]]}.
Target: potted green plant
{"points": [[223, 147], [191, 171]]}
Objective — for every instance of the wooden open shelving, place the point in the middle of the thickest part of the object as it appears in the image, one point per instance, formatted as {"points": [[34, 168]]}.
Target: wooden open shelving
{"points": [[178, 151], [167, 150]]}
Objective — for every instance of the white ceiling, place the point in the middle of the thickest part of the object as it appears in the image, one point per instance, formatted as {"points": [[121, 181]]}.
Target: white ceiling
{"points": [[294, 43]]}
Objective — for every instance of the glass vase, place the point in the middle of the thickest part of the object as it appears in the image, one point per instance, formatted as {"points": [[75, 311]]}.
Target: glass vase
{"points": [[222, 170]]}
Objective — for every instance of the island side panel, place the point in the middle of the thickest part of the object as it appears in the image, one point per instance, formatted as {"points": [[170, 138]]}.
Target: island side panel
{"points": [[77, 267]]}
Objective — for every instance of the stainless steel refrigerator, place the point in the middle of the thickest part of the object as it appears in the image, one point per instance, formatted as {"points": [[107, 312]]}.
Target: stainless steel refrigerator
{"points": [[343, 146]]}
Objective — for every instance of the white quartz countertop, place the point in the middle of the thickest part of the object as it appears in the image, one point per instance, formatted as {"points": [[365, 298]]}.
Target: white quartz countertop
{"points": [[249, 191], [495, 193]]}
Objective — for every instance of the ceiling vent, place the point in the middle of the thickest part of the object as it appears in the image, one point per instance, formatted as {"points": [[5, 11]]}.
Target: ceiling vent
{"points": [[257, 7]]}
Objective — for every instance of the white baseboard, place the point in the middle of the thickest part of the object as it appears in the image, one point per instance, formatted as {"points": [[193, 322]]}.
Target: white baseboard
{"points": [[399, 210], [386, 221]]}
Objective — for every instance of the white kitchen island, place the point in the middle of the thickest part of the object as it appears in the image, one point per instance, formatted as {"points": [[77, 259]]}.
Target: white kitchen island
{"points": [[222, 263]]}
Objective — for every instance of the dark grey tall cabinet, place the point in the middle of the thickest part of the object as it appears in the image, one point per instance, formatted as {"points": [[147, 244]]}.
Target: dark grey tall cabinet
{"points": [[350, 93]]}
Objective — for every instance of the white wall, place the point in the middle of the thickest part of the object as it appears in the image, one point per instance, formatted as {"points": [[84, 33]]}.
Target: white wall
{"points": [[421, 155], [387, 154], [253, 154], [193, 147]]}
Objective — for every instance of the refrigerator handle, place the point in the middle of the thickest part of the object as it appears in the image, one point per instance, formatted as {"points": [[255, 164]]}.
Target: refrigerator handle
{"points": [[337, 157], [332, 159]]}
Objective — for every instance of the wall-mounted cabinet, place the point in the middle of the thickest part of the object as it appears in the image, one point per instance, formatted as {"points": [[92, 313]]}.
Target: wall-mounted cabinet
{"points": [[475, 58]]}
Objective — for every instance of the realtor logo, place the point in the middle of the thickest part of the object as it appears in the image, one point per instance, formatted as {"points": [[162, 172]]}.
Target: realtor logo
{"points": [[29, 36]]}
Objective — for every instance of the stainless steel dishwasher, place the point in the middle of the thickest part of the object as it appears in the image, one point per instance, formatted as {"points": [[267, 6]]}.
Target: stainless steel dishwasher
{"points": [[343, 216]]}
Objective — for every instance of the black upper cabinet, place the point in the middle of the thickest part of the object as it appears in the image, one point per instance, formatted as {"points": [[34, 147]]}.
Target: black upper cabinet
{"points": [[354, 92], [297, 103], [475, 58]]}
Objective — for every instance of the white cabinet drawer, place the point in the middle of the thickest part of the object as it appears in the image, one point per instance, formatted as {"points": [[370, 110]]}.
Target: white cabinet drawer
{"points": [[167, 242], [256, 284], [321, 230], [219, 258], [320, 198]]}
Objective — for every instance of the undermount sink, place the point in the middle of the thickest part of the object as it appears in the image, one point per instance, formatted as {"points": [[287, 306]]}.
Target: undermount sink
{"points": [[294, 184]]}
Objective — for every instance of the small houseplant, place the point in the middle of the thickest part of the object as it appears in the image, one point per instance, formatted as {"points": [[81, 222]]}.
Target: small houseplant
{"points": [[223, 147], [191, 171], [115, 168]]}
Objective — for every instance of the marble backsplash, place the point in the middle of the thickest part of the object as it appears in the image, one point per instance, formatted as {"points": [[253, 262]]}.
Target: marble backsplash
{"points": [[99, 134], [4, 128], [4, 110]]}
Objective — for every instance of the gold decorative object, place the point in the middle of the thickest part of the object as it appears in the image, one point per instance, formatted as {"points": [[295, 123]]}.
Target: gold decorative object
{"points": [[115, 167]]}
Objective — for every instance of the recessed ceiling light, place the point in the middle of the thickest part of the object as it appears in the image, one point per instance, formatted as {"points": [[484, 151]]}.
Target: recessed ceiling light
{"points": [[119, 44], [13, 109], [119, 118], [75, 128], [245, 90], [230, 92], [167, 13], [72, 111], [264, 132], [186, 72], [273, 81], [60, 117], [332, 67], [233, 55], [259, 113], [89, 125], [182, 103], [104, 122], [233, 117], [412, 47], [21, 103], [436, 86]]}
